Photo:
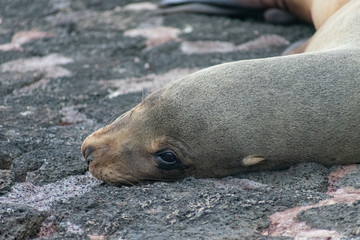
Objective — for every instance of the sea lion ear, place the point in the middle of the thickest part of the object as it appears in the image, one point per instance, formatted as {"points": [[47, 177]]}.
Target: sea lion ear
{"points": [[252, 160]]}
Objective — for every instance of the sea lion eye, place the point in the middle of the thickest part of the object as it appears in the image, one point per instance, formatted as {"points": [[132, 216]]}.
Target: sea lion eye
{"points": [[166, 157], [167, 160]]}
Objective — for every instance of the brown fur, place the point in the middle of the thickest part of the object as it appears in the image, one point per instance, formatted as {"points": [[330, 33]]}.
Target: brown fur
{"points": [[298, 108]]}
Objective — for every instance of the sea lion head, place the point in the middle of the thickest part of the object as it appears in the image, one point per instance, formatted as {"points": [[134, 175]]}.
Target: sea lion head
{"points": [[167, 136], [136, 147]]}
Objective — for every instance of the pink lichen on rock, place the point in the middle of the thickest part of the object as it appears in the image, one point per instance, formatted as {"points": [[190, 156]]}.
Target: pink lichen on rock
{"points": [[47, 67], [149, 82], [338, 174], [95, 237], [72, 115], [264, 41], [21, 38], [285, 223], [201, 47], [141, 6], [156, 35], [42, 197]]}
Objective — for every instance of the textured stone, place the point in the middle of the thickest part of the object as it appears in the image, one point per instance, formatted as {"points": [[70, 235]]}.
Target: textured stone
{"points": [[344, 218], [44, 122], [19, 222], [6, 181]]}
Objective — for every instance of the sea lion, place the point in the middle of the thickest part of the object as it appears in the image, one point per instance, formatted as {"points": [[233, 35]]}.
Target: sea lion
{"points": [[244, 116]]}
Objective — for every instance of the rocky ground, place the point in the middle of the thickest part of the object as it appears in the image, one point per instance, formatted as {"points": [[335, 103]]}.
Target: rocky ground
{"points": [[69, 67]]}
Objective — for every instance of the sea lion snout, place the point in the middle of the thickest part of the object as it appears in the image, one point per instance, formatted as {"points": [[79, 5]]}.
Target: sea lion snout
{"points": [[86, 152], [92, 149], [107, 159]]}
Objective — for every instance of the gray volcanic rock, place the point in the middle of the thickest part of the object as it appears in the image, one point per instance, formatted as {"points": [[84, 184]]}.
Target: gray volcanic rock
{"points": [[70, 67], [192, 208], [343, 218], [6, 181], [19, 222], [66, 162], [351, 179], [8, 152]]}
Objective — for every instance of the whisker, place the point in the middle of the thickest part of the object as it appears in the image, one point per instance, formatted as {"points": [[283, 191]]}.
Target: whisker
{"points": [[112, 118], [163, 179], [126, 182]]}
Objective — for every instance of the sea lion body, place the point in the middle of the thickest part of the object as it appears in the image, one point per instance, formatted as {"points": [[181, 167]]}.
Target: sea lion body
{"points": [[243, 116]]}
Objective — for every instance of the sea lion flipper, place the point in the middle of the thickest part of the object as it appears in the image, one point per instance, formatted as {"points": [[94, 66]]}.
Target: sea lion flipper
{"points": [[252, 160]]}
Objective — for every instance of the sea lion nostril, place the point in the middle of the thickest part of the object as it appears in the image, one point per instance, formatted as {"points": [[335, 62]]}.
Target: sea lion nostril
{"points": [[89, 159], [86, 153]]}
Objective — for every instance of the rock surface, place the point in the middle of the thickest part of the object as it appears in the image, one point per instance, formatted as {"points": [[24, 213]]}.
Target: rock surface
{"points": [[6, 181], [19, 222], [68, 67]]}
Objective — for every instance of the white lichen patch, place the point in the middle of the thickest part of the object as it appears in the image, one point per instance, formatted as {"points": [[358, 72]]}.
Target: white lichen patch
{"points": [[42, 197], [156, 35], [285, 223], [148, 83], [202, 47], [21, 38], [141, 6], [46, 68], [48, 65], [71, 115]]}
